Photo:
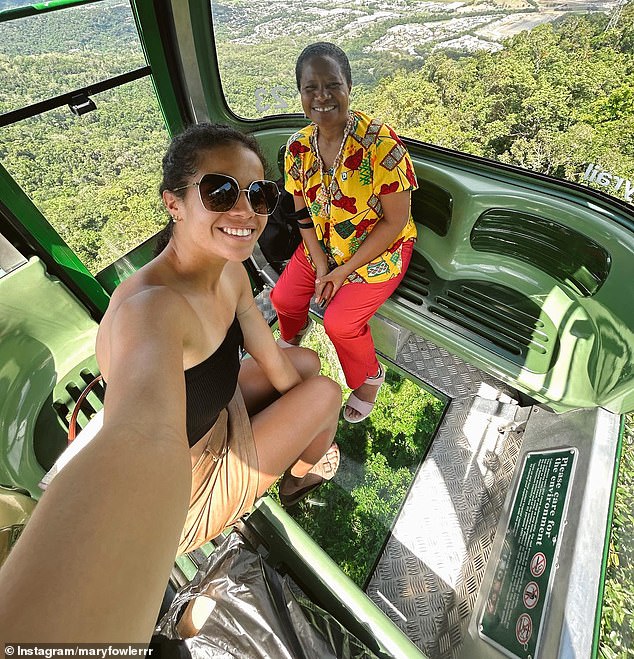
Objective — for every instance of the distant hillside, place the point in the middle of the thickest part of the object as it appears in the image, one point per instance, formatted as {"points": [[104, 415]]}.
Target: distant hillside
{"points": [[103, 26]]}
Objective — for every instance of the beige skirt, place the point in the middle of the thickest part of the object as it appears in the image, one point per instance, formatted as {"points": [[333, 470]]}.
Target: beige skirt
{"points": [[225, 477]]}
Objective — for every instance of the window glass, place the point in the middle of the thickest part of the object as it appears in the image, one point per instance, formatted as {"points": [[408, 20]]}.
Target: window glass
{"points": [[379, 460], [56, 52], [94, 177], [10, 257], [523, 82]]}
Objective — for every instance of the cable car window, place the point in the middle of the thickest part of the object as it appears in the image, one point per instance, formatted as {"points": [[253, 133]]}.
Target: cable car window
{"points": [[256, 58], [89, 161], [95, 177], [544, 88], [55, 52]]}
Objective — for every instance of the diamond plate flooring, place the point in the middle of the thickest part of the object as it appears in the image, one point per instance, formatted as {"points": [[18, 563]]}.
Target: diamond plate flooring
{"points": [[428, 576]]}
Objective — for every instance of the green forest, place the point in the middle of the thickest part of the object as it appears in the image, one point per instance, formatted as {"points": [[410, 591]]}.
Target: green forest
{"points": [[552, 100]]}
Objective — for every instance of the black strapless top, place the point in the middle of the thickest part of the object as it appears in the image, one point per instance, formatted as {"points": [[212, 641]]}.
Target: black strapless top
{"points": [[210, 385]]}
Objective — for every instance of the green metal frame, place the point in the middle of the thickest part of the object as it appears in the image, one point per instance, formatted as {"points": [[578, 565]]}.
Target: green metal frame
{"points": [[205, 45], [49, 242], [165, 87], [324, 582], [215, 104], [41, 8], [606, 543]]}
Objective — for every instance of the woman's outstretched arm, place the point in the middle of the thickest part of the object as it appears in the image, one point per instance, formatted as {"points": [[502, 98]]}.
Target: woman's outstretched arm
{"points": [[93, 562]]}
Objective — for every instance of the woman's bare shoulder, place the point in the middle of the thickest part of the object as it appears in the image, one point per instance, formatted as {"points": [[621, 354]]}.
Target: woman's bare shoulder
{"points": [[150, 289], [237, 282], [139, 306]]}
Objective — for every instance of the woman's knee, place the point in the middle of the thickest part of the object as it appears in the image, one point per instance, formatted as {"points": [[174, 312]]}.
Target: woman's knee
{"points": [[327, 394], [282, 296], [340, 325], [277, 296], [287, 304], [306, 361]]}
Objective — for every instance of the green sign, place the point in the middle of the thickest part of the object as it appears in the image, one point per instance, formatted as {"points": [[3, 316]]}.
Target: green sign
{"points": [[517, 597]]}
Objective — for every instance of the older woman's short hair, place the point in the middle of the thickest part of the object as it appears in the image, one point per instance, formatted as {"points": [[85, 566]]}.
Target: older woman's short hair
{"points": [[323, 49]]}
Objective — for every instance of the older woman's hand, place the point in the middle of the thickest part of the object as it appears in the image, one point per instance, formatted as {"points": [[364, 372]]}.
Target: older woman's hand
{"points": [[321, 271], [329, 284]]}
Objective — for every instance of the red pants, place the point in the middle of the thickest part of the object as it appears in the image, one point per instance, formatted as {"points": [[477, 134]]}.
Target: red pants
{"points": [[346, 316]]}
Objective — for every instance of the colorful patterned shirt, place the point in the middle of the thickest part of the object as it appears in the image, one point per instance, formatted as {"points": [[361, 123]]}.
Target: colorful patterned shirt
{"points": [[345, 209]]}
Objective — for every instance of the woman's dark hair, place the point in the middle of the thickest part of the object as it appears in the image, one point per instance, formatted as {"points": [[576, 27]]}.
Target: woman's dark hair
{"points": [[323, 49], [185, 152]]}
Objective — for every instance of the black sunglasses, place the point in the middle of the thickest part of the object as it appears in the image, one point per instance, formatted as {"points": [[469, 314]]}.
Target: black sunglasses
{"points": [[219, 193]]}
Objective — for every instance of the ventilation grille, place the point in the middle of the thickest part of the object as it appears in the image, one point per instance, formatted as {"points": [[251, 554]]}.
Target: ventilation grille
{"points": [[566, 255], [503, 324]]}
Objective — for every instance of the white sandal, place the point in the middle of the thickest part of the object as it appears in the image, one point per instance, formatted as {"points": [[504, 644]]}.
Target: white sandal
{"points": [[364, 407], [301, 334]]}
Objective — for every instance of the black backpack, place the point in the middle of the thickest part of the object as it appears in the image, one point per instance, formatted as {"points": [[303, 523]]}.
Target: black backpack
{"points": [[281, 236]]}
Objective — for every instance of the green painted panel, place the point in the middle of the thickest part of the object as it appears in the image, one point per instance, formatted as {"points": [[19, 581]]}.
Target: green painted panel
{"points": [[432, 207], [156, 51], [565, 254], [122, 268], [45, 337], [49, 241]]}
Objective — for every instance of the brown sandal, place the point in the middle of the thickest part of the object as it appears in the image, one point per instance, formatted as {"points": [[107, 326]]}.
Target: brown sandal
{"points": [[325, 469]]}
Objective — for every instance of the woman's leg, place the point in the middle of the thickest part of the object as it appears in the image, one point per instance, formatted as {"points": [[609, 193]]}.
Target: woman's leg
{"points": [[294, 430], [256, 388], [292, 293], [346, 323]]}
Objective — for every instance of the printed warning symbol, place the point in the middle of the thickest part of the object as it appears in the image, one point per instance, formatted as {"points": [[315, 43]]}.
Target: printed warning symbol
{"points": [[538, 564], [524, 628], [531, 594]]}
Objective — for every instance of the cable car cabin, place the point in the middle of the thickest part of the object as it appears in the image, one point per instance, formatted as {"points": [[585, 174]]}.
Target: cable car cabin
{"points": [[472, 511]]}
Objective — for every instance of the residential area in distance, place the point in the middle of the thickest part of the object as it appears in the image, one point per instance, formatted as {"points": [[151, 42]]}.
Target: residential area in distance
{"points": [[405, 28]]}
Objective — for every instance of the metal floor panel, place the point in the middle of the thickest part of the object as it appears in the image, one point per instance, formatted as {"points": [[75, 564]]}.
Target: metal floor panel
{"points": [[429, 574]]}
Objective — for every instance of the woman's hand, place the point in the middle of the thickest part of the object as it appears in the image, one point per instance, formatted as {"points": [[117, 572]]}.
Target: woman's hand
{"points": [[329, 284], [321, 271]]}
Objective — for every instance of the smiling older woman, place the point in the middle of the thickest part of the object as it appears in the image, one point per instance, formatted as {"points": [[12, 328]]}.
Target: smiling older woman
{"points": [[352, 179]]}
